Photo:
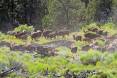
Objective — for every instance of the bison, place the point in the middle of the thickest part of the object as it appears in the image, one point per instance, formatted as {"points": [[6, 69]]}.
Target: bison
{"points": [[74, 49], [86, 48], [93, 29], [91, 35], [52, 35], [46, 33], [102, 32], [22, 35], [17, 48], [46, 51], [77, 38], [36, 34], [87, 40], [63, 33]]}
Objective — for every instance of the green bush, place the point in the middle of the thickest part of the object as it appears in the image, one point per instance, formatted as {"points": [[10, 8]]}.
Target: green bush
{"points": [[92, 25], [24, 28], [36, 66], [91, 57], [109, 27]]}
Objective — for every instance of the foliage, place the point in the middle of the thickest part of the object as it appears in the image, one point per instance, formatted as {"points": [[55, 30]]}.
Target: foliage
{"points": [[92, 57], [110, 27], [92, 25], [24, 12], [34, 65], [59, 64], [69, 13], [55, 13], [100, 42], [24, 28]]}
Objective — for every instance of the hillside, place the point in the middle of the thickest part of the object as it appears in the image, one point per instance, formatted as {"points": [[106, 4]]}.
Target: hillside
{"points": [[90, 54], [58, 38]]}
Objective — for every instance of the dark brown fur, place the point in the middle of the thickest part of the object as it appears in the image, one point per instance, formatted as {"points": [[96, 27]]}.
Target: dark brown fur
{"points": [[46, 33], [63, 33], [22, 35], [74, 49], [36, 34], [93, 29], [77, 38], [52, 35], [86, 48], [91, 35], [46, 51]]}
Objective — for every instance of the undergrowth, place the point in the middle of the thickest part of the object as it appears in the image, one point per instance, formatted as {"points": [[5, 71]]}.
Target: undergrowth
{"points": [[33, 65]]}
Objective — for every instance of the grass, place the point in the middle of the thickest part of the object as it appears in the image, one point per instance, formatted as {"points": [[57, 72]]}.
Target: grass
{"points": [[35, 66], [60, 63]]}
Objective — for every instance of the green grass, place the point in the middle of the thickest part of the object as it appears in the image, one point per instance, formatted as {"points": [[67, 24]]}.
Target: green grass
{"points": [[35, 66], [59, 64]]}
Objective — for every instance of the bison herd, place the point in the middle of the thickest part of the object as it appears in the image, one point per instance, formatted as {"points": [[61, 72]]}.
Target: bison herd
{"points": [[50, 34], [91, 34], [40, 49]]}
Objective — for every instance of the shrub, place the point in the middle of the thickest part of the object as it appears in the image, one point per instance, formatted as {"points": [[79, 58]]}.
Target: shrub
{"points": [[100, 42], [24, 28], [109, 27], [92, 25], [92, 57]]}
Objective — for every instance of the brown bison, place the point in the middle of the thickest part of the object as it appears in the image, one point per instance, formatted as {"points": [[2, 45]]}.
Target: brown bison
{"points": [[52, 35], [98, 31], [102, 32], [31, 47], [46, 51], [22, 35], [93, 29], [77, 38], [74, 49], [46, 33], [63, 33], [36, 34], [91, 35], [18, 48], [86, 48], [87, 40]]}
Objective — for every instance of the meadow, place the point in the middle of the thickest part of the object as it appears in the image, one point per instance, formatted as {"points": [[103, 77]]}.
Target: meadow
{"points": [[91, 63]]}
